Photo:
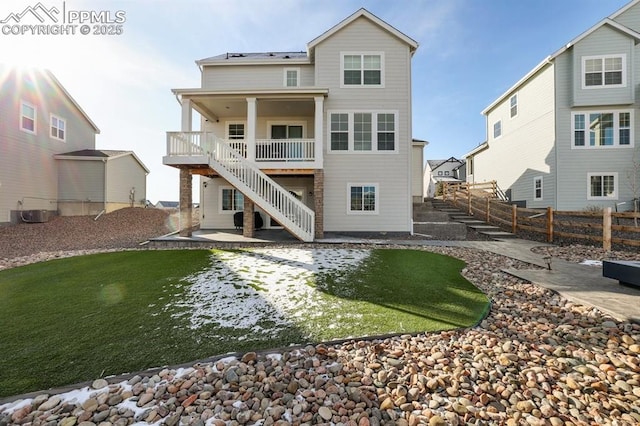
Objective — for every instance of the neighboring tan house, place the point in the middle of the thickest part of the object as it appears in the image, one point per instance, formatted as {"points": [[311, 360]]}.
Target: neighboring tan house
{"points": [[39, 122], [436, 171], [314, 141], [111, 180], [565, 134]]}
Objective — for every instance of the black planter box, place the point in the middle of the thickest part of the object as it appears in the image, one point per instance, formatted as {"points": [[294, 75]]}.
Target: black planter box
{"points": [[625, 271]]}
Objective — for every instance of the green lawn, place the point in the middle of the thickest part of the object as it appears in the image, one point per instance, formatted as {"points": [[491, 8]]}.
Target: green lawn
{"points": [[77, 319]]}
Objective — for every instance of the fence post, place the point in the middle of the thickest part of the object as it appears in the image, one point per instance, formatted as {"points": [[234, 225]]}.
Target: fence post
{"points": [[488, 217], [469, 212], [549, 224], [606, 229], [514, 218]]}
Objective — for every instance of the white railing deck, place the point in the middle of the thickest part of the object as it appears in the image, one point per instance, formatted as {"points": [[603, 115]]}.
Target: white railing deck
{"points": [[191, 144]]}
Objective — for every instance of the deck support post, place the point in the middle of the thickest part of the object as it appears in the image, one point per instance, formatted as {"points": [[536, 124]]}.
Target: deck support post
{"points": [[186, 218], [248, 219]]}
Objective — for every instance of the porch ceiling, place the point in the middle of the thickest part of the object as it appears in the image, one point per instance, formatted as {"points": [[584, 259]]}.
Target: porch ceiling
{"points": [[217, 105], [216, 108]]}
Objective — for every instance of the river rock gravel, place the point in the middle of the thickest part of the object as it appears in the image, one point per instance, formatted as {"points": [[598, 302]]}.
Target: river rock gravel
{"points": [[536, 359]]}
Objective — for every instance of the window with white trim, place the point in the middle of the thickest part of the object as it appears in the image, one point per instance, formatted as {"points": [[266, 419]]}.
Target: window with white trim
{"points": [[513, 105], [602, 186], [58, 127], [537, 188], [291, 77], [339, 132], [595, 129], [235, 131], [497, 129], [28, 115], [604, 71], [362, 69], [231, 200], [363, 131], [363, 198]]}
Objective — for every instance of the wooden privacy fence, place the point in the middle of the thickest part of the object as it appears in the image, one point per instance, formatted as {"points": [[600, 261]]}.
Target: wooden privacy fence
{"points": [[606, 227]]}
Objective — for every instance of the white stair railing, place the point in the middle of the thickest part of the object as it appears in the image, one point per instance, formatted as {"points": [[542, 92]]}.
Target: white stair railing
{"points": [[276, 201]]}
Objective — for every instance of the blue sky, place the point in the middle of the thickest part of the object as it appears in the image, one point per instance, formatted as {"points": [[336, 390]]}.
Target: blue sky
{"points": [[470, 52]]}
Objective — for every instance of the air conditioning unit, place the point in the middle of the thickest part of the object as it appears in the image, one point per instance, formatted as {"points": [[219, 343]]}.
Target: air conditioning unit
{"points": [[35, 216]]}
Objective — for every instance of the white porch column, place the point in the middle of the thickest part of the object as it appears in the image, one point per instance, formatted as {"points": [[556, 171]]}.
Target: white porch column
{"points": [[187, 115], [250, 137], [319, 128]]}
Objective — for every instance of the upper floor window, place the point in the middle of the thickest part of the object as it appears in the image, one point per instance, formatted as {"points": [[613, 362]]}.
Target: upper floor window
{"points": [[58, 128], [446, 172], [440, 173], [602, 129], [235, 131], [537, 188], [497, 129], [28, 116], [291, 77], [513, 105], [363, 131], [362, 69], [604, 71]]}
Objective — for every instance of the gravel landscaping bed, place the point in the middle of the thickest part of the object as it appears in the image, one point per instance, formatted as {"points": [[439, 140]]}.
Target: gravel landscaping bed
{"points": [[579, 253], [537, 359], [63, 236]]}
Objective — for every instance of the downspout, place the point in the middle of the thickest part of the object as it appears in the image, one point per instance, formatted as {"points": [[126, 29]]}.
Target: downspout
{"points": [[104, 196], [410, 145]]}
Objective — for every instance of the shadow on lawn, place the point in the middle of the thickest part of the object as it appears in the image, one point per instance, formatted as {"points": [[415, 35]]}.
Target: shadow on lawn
{"points": [[413, 284]]}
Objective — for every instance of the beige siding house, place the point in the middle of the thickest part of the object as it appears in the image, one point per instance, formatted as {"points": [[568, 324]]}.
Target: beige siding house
{"points": [[314, 141], [39, 123], [565, 134]]}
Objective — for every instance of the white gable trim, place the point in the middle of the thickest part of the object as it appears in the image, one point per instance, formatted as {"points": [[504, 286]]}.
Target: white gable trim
{"points": [[370, 16], [50, 75]]}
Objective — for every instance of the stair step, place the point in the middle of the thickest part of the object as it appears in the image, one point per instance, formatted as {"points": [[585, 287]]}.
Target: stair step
{"points": [[498, 234], [441, 230], [483, 227]]}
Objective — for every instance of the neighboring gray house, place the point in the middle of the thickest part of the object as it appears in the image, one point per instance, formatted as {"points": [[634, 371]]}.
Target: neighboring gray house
{"points": [[314, 141], [435, 171], [39, 121], [565, 134]]}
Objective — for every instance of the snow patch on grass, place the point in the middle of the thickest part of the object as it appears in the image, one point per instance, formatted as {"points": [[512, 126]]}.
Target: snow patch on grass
{"points": [[262, 290]]}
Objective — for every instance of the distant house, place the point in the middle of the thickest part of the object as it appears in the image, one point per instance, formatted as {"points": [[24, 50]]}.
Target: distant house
{"points": [[314, 141], [565, 134], [167, 205], [436, 171], [49, 163]]}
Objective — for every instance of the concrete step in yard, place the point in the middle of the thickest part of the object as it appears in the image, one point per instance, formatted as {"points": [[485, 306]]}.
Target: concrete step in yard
{"points": [[465, 221], [441, 230]]}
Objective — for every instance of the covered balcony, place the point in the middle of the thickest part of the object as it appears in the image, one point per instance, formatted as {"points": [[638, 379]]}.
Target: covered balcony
{"points": [[275, 130]]}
